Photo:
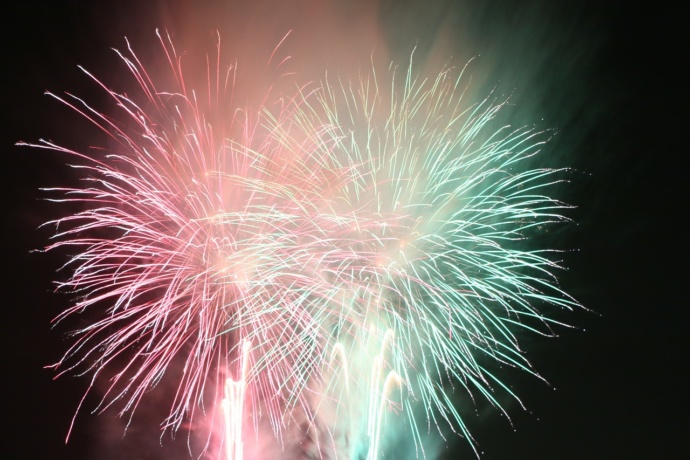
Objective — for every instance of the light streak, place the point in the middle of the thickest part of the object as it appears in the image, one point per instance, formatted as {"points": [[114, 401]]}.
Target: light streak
{"points": [[378, 398], [233, 408]]}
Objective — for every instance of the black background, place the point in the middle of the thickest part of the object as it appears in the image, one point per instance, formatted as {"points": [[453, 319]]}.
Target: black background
{"points": [[609, 75]]}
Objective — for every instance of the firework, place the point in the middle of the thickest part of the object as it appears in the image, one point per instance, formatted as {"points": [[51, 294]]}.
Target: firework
{"points": [[428, 226], [340, 254]]}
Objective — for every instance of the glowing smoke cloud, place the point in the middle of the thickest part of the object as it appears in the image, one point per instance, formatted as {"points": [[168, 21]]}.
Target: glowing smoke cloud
{"points": [[336, 258]]}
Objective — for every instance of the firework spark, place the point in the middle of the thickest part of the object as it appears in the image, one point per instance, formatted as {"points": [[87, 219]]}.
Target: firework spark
{"points": [[366, 237]]}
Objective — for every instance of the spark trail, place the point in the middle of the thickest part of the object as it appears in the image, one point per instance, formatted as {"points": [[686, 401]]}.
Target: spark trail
{"points": [[361, 235], [233, 409]]}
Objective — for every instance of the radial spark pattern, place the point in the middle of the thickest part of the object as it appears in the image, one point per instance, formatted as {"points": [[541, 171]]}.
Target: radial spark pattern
{"points": [[358, 245]]}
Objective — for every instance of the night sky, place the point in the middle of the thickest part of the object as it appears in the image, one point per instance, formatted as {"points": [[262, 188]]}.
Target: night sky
{"points": [[608, 75]]}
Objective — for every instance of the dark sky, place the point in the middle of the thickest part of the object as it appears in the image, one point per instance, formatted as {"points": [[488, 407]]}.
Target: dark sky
{"points": [[610, 76]]}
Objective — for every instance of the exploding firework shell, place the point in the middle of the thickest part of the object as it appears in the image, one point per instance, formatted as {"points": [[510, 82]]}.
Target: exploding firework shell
{"points": [[423, 236], [360, 237]]}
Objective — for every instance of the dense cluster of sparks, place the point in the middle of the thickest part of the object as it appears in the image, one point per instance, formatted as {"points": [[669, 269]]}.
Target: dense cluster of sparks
{"points": [[346, 252]]}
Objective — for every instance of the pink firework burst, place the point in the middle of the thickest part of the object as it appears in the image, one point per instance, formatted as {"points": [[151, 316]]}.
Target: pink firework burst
{"points": [[194, 224]]}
